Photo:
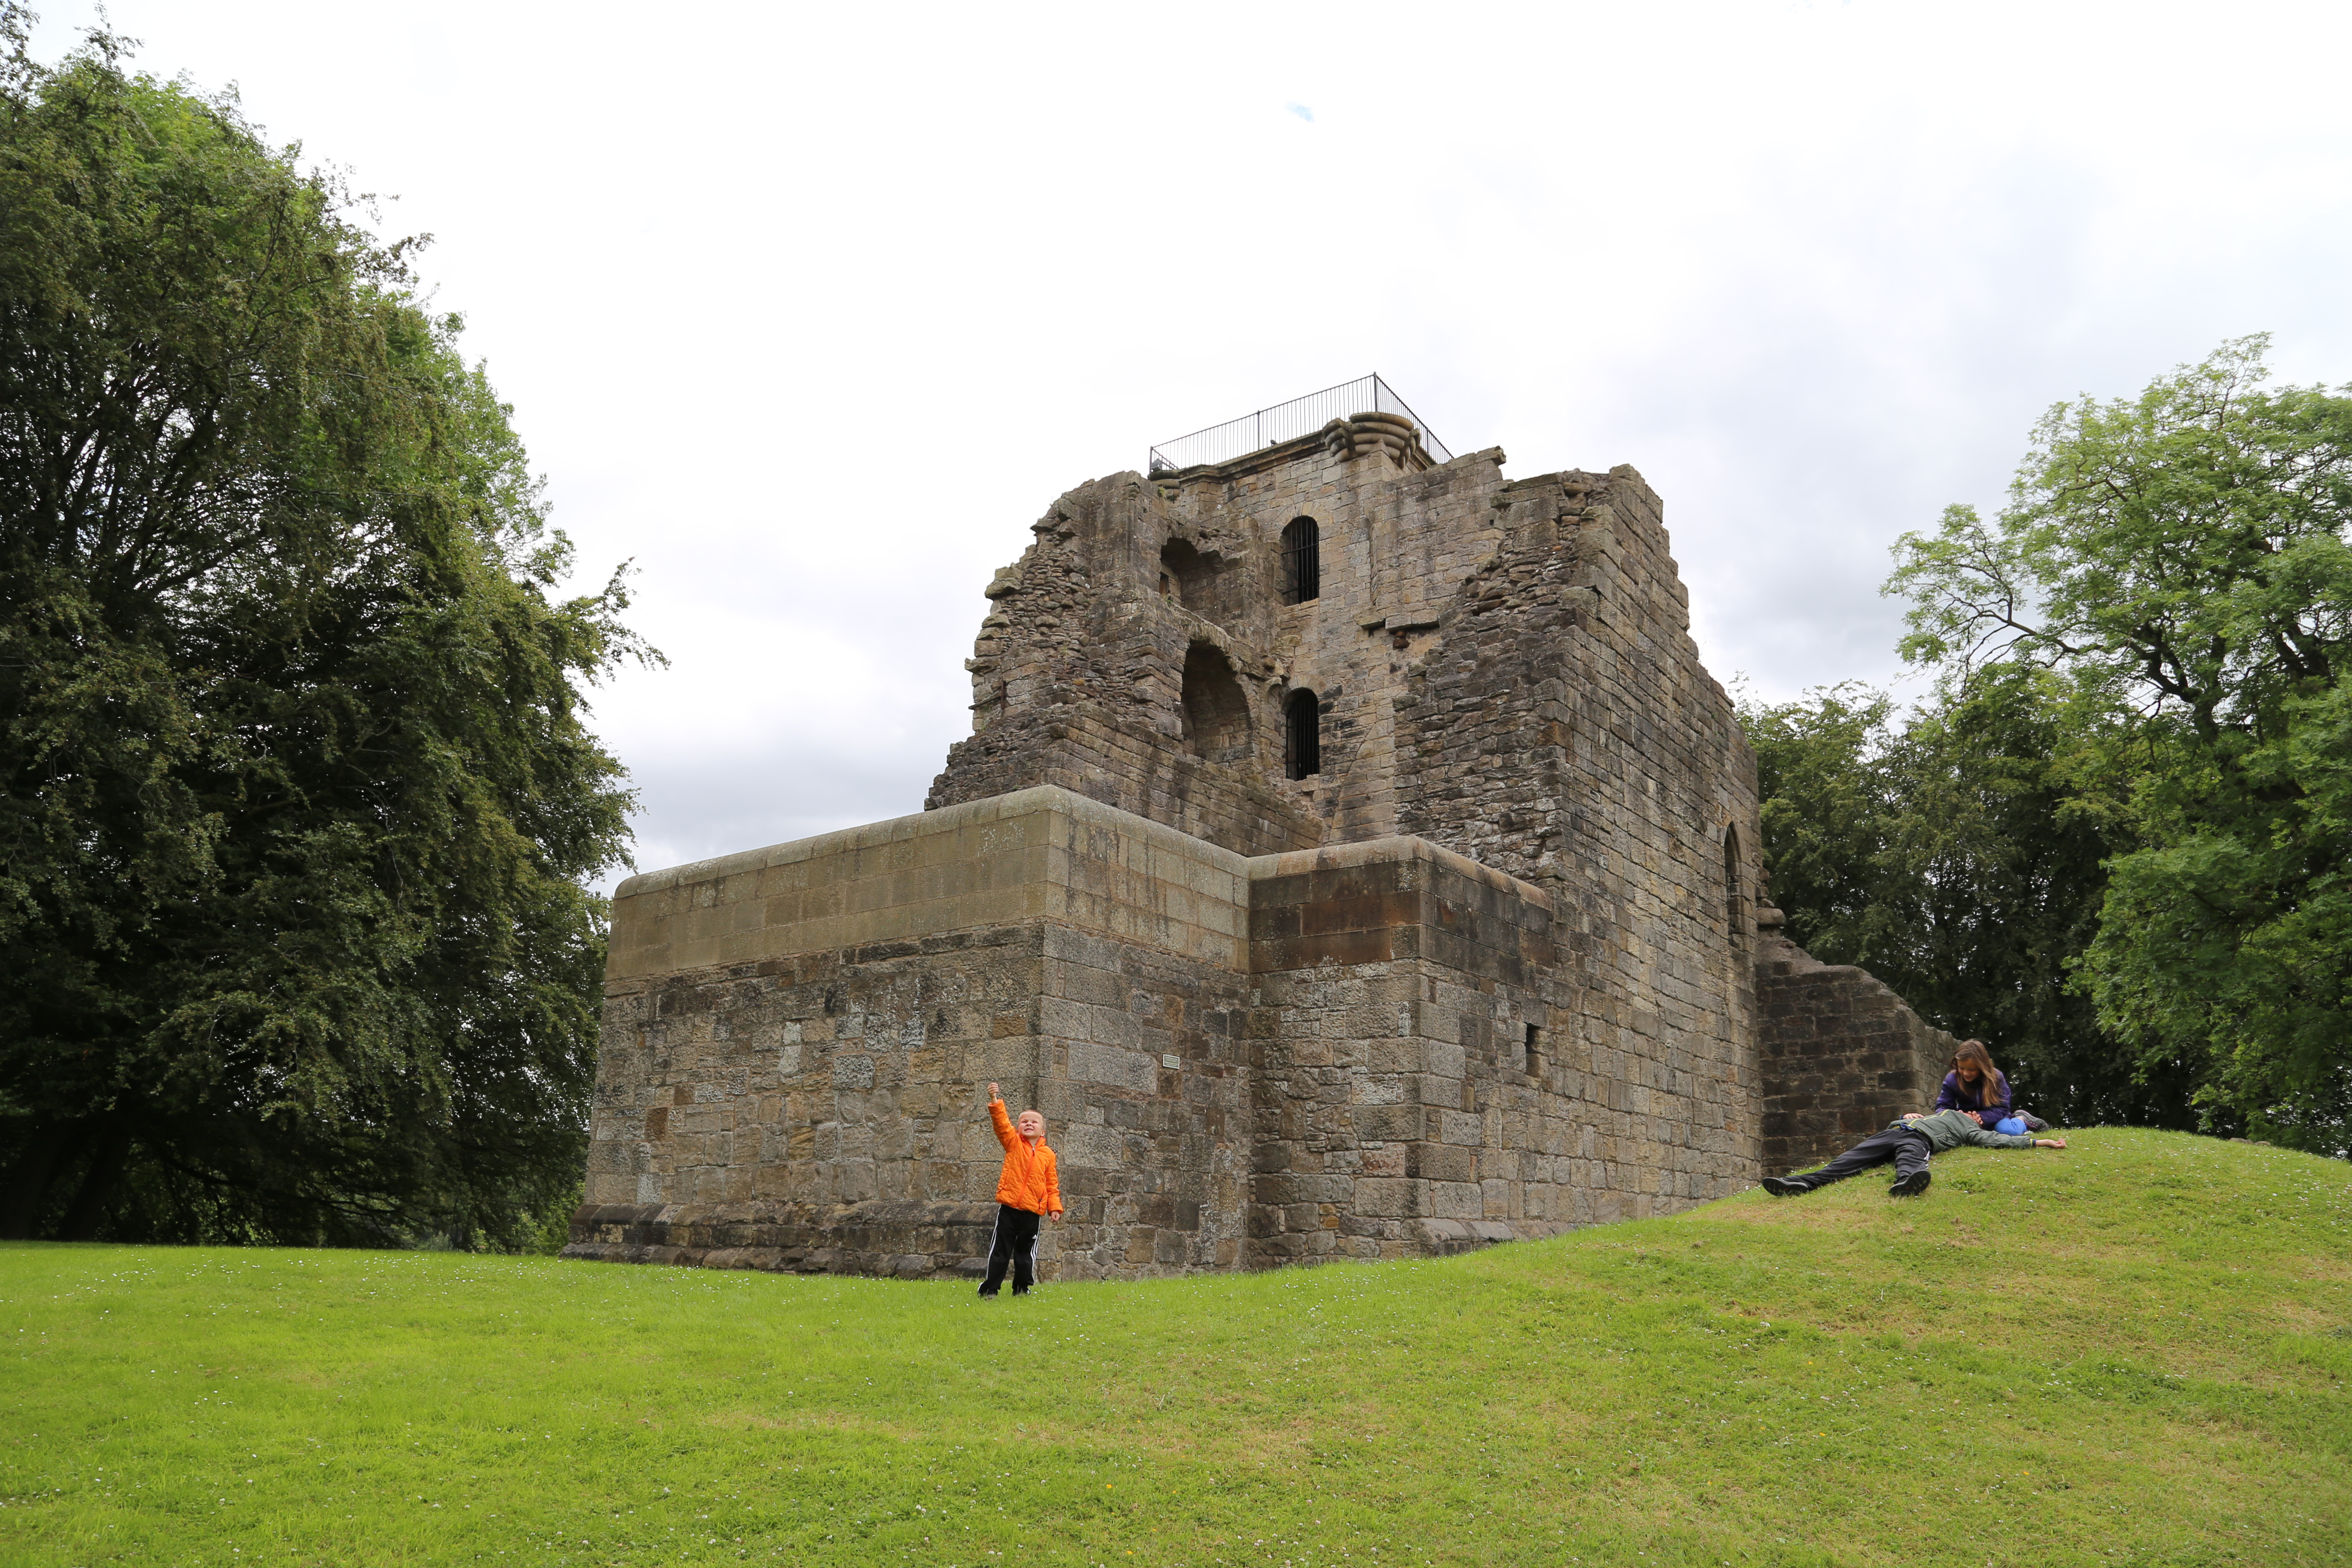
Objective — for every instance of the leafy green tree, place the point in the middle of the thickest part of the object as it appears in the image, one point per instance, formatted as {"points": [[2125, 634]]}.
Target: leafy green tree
{"points": [[2185, 555], [1827, 819], [1957, 854], [299, 804]]}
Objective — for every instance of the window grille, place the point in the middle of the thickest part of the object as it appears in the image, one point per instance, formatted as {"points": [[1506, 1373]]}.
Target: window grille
{"points": [[1302, 562], [1302, 736]]}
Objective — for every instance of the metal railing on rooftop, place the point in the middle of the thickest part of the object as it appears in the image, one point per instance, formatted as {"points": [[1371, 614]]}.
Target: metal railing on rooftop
{"points": [[1287, 422]]}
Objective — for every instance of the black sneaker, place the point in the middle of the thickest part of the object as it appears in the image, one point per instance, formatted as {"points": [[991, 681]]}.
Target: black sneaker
{"points": [[1910, 1186], [1781, 1188]]}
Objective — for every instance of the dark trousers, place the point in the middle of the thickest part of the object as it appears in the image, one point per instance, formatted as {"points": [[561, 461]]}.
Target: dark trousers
{"points": [[1907, 1148], [1015, 1243]]}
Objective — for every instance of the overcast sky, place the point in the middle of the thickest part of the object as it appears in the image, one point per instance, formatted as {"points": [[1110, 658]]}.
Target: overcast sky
{"points": [[810, 311]]}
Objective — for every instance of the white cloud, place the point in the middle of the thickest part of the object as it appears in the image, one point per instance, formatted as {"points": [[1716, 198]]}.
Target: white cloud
{"points": [[813, 311]]}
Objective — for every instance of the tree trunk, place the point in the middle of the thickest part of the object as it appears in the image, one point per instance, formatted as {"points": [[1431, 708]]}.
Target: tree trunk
{"points": [[25, 1188], [111, 1148]]}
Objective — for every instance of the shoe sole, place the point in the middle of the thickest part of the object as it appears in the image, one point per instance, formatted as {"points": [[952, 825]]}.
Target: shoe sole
{"points": [[1910, 1186]]}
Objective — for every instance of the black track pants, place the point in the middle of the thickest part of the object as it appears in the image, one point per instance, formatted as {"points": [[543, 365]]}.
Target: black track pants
{"points": [[1015, 1243], [1907, 1148]]}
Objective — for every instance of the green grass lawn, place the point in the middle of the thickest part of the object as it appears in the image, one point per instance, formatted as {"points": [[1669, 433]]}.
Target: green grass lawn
{"points": [[2132, 1351]]}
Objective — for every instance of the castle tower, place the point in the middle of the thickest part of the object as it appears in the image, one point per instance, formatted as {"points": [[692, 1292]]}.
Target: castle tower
{"points": [[1350, 857]]}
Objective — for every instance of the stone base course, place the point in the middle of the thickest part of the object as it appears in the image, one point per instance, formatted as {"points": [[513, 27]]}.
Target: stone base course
{"points": [[1362, 1051], [901, 1240]]}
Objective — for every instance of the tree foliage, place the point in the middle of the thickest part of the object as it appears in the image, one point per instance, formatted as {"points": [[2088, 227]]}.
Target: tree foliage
{"points": [[1957, 853], [2185, 557], [299, 802]]}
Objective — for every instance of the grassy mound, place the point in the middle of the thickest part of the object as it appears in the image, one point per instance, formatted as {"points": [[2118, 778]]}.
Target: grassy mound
{"points": [[2132, 1351]]}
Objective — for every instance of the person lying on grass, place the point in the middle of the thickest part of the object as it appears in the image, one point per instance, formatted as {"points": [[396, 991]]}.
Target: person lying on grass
{"points": [[1909, 1143], [1027, 1189]]}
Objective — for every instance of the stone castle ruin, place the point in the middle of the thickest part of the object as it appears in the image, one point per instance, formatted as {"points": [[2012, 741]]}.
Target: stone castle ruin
{"points": [[1350, 857]]}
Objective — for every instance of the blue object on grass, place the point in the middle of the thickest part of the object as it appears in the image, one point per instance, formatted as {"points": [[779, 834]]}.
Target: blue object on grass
{"points": [[2012, 1125]]}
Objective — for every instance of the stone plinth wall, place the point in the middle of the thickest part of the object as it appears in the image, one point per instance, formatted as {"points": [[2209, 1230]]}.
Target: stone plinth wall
{"points": [[1842, 1055], [1035, 854], [1396, 1114], [1242, 1062], [751, 1087]]}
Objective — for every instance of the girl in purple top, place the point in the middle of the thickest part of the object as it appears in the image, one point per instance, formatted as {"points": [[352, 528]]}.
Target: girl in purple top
{"points": [[1975, 1085]]}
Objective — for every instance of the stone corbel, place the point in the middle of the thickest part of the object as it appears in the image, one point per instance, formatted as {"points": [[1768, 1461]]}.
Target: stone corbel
{"points": [[1390, 433]]}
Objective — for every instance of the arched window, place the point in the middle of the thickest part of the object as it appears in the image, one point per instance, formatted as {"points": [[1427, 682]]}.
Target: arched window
{"points": [[1302, 736], [1302, 562], [1734, 904]]}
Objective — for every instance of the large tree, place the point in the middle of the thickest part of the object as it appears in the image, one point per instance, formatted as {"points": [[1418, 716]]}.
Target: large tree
{"points": [[299, 808], [2186, 554], [1958, 852]]}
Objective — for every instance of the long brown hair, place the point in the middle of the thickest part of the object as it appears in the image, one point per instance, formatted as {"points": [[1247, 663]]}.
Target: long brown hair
{"points": [[1988, 1076]]}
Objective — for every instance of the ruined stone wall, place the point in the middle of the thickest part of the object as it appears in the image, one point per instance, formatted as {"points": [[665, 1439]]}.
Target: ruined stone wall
{"points": [[1661, 849], [1397, 540], [1077, 678], [1562, 730], [1842, 1055], [1078, 674], [1079, 749]]}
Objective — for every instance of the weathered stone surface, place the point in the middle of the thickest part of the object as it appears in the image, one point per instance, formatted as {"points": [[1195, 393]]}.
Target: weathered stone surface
{"points": [[1490, 971], [851, 1081], [1843, 1056]]}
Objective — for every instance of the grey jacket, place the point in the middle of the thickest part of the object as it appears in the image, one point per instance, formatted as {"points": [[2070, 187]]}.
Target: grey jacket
{"points": [[1950, 1129]]}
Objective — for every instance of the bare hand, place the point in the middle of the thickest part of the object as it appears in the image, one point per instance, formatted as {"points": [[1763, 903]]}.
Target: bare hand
{"points": [[1979, 1116], [1055, 1216], [992, 1094], [2052, 1142]]}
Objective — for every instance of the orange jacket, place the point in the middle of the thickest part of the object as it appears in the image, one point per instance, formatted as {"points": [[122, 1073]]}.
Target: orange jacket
{"points": [[1029, 1180]]}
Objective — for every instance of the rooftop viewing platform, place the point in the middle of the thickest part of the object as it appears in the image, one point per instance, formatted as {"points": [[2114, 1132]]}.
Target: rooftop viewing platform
{"points": [[1288, 422]]}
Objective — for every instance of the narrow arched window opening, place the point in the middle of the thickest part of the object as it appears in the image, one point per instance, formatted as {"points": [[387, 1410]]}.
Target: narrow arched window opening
{"points": [[1734, 903], [1302, 562], [1302, 736]]}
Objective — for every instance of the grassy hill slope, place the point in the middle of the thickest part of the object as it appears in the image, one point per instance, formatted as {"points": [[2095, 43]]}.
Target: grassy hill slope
{"points": [[2136, 1351]]}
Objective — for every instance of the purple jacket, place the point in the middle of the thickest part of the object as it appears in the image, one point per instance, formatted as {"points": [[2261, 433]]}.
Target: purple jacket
{"points": [[1993, 1101]]}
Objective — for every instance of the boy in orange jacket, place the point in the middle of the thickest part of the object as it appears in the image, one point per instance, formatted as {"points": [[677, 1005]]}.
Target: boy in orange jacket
{"points": [[1027, 1190]]}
